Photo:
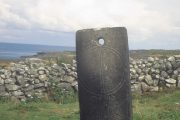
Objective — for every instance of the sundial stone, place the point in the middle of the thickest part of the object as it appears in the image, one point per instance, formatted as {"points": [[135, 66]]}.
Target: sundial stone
{"points": [[103, 74]]}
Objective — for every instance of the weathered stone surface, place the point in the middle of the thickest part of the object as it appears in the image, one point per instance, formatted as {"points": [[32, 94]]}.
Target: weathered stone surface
{"points": [[149, 80], [3, 76], [150, 59], [36, 81], [29, 88], [10, 81], [170, 85], [161, 71], [171, 59], [103, 73], [2, 89], [171, 81], [155, 89], [1, 81], [75, 85], [38, 85], [136, 88], [68, 79], [18, 93], [11, 87], [141, 78], [41, 72], [43, 77], [164, 74], [20, 80], [169, 65], [178, 84], [145, 87]]}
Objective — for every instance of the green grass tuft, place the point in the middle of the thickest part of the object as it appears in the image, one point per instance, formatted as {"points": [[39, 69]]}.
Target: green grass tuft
{"points": [[156, 106]]}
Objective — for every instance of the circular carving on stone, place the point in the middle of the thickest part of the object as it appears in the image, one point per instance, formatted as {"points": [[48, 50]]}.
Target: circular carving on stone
{"points": [[103, 70]]}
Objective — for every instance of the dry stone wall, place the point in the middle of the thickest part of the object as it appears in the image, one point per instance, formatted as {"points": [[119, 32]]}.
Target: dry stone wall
{"points": [[154, 74], [34, 76]]}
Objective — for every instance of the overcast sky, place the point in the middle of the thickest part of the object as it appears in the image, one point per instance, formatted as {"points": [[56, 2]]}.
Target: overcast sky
{"points": [[151, 24]]}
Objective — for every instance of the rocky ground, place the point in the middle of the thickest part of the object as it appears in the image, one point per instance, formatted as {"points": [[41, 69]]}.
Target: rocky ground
{"points": [[34, 76]]}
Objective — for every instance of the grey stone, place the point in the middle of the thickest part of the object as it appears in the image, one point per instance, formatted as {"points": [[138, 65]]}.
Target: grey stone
{"points": [[5, 94], [10, 81], [170, 85], [133, 71], [20, 71], [111, 61], [154, 89], [178, 84], [74, 61], [151, 59], [170, 81], [36, 81], [178, 69], [75, 85], [29, 88], [136, 88], [156, 66], [171, 59], [149, 65], [155, 82], [145, 87], [175, 72], [157, 76], [153, 70], [149, 80], [170, 71], [69, 79], [1, 81], [17, 93], [2, 88], [3, 76], [174, 77], [41, 72], [32, 71], [12, 87], [46, 84], [26, 85], [157, 71], [156, 59], [179, 77], [20, 80], [40, 90], [163, 66], [164, 74], [141, 78], [38, 85], [139, 71], [43, 77], [168, 65], [73, 74]]}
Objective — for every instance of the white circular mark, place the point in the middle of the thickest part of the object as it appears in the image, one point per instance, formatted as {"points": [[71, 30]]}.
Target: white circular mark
{"points": [[101, 41]]}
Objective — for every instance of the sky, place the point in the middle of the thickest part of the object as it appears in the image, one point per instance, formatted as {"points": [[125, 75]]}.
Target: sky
{"points": [[151, 24]]}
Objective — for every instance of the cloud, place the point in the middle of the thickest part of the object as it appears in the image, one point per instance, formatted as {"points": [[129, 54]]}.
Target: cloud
{"points": [[143, 18]]}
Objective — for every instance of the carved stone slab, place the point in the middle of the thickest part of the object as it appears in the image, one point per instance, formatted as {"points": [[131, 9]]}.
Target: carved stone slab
{"points": [[103, 74]]}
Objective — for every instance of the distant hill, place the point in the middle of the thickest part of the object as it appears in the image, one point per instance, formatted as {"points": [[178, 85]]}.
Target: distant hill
{"points": [[153, 53]]}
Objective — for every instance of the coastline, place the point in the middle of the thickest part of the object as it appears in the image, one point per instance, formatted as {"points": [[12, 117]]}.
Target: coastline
{"points": [[66, 55]]}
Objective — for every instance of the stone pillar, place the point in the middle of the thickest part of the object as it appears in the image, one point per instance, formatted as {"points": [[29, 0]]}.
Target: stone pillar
{"points": [[103, 74]]}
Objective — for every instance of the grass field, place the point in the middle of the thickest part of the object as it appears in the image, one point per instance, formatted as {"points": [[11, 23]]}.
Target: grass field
{"points": [[157, 106]]}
